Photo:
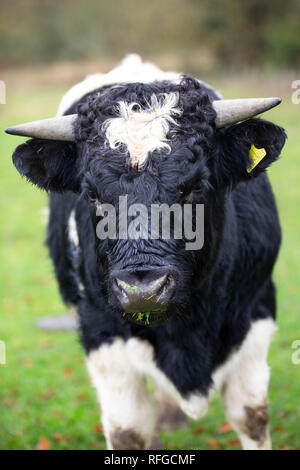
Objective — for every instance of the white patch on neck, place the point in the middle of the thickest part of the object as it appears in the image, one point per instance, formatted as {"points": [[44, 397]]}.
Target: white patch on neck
{"points": [[72, 227], [142, 130]]}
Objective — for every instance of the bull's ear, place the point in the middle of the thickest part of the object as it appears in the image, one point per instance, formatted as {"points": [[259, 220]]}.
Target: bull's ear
{"points": [[50, 164], [246, 149]]}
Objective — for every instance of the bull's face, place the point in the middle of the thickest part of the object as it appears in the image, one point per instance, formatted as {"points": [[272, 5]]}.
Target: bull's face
{"points": [[135, 148], [143, 145]]}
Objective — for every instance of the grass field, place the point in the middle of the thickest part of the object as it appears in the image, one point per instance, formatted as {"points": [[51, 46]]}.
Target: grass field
{"points": [[46, 399]]}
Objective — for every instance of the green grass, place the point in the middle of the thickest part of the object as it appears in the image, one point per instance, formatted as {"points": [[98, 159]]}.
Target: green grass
{"points": [[44, 387]]}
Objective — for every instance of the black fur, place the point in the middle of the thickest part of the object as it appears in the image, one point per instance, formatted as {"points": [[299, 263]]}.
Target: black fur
{"points": [[220, 289]]}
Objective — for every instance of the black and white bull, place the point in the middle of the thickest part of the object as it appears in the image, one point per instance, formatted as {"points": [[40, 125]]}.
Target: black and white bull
{"points": [[207, 317]]}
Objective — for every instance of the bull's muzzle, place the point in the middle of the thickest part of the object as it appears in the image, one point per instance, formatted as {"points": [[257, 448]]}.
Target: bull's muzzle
{"points": [[142, 295]]}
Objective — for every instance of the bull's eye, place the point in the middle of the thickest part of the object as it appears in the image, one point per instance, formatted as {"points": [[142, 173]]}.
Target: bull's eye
{"points": [[194, 194], [91, 195], [186, 190], [197, 186]]}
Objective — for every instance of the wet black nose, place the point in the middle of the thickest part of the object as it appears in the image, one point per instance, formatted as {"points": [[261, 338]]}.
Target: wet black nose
{"points": [[143, 291]]}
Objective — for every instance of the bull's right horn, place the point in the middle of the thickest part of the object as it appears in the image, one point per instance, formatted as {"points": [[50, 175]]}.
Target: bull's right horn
{"points": [[58, 128]]}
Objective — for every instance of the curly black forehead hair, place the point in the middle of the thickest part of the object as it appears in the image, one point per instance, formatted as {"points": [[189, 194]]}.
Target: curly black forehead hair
{"points": [[190, 137], [198, 115]]}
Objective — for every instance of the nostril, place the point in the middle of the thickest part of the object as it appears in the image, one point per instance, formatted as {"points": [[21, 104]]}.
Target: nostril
{"points": [[119, 290], [125, 287], [139, 293], [165, 287], [117, 283], [160, 284]]}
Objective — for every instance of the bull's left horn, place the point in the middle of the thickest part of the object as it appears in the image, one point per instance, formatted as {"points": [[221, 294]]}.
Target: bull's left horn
{"points": [[231, 111], [58, 128]]}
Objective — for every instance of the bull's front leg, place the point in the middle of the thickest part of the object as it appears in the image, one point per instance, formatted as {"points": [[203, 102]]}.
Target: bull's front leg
{"points": [[246, 387], [128, 410]]}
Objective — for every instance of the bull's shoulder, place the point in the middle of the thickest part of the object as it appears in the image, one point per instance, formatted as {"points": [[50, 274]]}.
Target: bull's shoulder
{"points": [[254, 200], [258, 225], [60, 240]]}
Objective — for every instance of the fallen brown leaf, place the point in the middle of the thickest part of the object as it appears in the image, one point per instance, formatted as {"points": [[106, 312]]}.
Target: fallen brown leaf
{"points": [[172, 446], [81, 397], [198, 430], [213, 444], [282, 413], [278, 428], [67, 371], [96, 444], [27, 363], [225, 427], [43, 444], [98, 428], [47, 394], [234, 443], [8, 401], [58, 437]]}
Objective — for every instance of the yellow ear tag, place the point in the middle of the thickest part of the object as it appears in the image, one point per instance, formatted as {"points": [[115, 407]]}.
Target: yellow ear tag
{"points": [[256, 156]]}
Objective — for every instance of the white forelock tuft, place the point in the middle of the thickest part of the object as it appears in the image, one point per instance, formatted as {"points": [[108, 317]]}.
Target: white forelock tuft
{"points": [[142, 130]]}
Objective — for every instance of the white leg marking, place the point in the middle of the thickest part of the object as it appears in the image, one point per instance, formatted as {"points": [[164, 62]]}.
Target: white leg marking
{"points": [[122, 393], [142, 356], [118, 372], [246, 385]]}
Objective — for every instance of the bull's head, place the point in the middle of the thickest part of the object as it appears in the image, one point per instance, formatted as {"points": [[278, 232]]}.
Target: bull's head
{"points": [[154, 143]]}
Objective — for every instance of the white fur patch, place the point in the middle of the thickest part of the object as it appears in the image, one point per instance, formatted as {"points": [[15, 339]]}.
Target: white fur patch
{"points": [[142, 130], [118, 372], [249, 357], [45, 214], [122, 392], [142, 357], [245, 378], [74, 239], [72, 228]]}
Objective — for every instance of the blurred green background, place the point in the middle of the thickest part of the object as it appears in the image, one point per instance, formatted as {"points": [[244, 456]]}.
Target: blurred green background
{"points": [[221, 33], [243, 48]]}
